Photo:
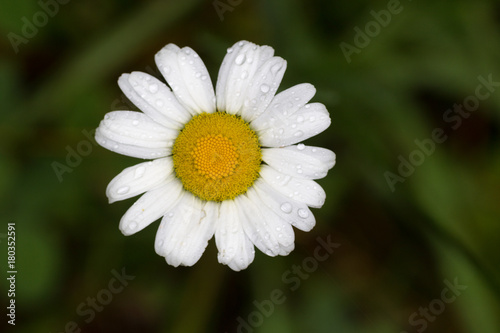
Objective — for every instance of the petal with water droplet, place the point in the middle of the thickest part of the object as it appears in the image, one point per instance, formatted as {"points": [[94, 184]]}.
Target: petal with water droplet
{"points": [[294, 130], [135, 128], [151, 206], [235, 248], [287, 208], [298, 189], [263, 87], [283, 106], [161, 106], [188, 77], [261, 225], [292, 159], [237, 72], [139, 179], [184, 234], [147, 139]]}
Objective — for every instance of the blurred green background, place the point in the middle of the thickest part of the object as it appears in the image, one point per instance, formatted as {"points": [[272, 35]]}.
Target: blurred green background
{"points": [[396, 248]]}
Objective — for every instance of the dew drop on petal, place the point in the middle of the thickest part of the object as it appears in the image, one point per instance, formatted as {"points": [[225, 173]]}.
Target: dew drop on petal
{"points": [[132, 225], [275, 68], [139, 172], [303, 213], [301, 146], [244, 75], [298, 133], [159, 102], [264, 88], [123, 190], [286, 207], [239, 59], [203, 77]]}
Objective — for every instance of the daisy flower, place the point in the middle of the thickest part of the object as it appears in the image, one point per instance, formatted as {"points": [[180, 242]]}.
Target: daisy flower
{"points": [[226, 162]]}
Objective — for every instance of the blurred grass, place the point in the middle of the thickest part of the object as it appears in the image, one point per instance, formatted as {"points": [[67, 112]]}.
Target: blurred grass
{"points": [[396, 248]]}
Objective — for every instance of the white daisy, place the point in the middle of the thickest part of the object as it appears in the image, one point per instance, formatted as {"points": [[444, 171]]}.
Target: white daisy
{"points": [[223, 163]]}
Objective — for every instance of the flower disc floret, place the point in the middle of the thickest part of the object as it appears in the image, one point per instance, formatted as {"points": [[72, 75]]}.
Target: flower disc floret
{"points": [[217, 156]]}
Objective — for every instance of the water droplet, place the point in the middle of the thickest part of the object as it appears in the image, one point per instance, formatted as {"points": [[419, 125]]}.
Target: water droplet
{"points": [[187, 51], [132, 225], [166, 69], [159, 103], [135, 122], [203, 77], [281, 131], [303, 213], [123, 190], [198, 74], [298, 133], [230, 50], [286, 207], [275, 68], [300, 119], [264, 88], [239, 59], [250, 60], [139, 172], [244, 74], [312, 118], [301, 146]]}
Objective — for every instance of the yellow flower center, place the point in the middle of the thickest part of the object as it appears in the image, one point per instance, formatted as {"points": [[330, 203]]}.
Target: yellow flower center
{"points": [[217, 156]]}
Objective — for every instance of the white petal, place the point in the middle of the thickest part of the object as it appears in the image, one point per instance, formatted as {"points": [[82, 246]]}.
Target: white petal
{"points": [[283, 105], [137, 129], [185, 230], [294, 212], [300, 161], [154, 98], [237, 72], [151, 206], [263, 87], [188, 77], [235, 248], [139, 178], [301, 190], [130, 150], [270, 234], [308, 121]]}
